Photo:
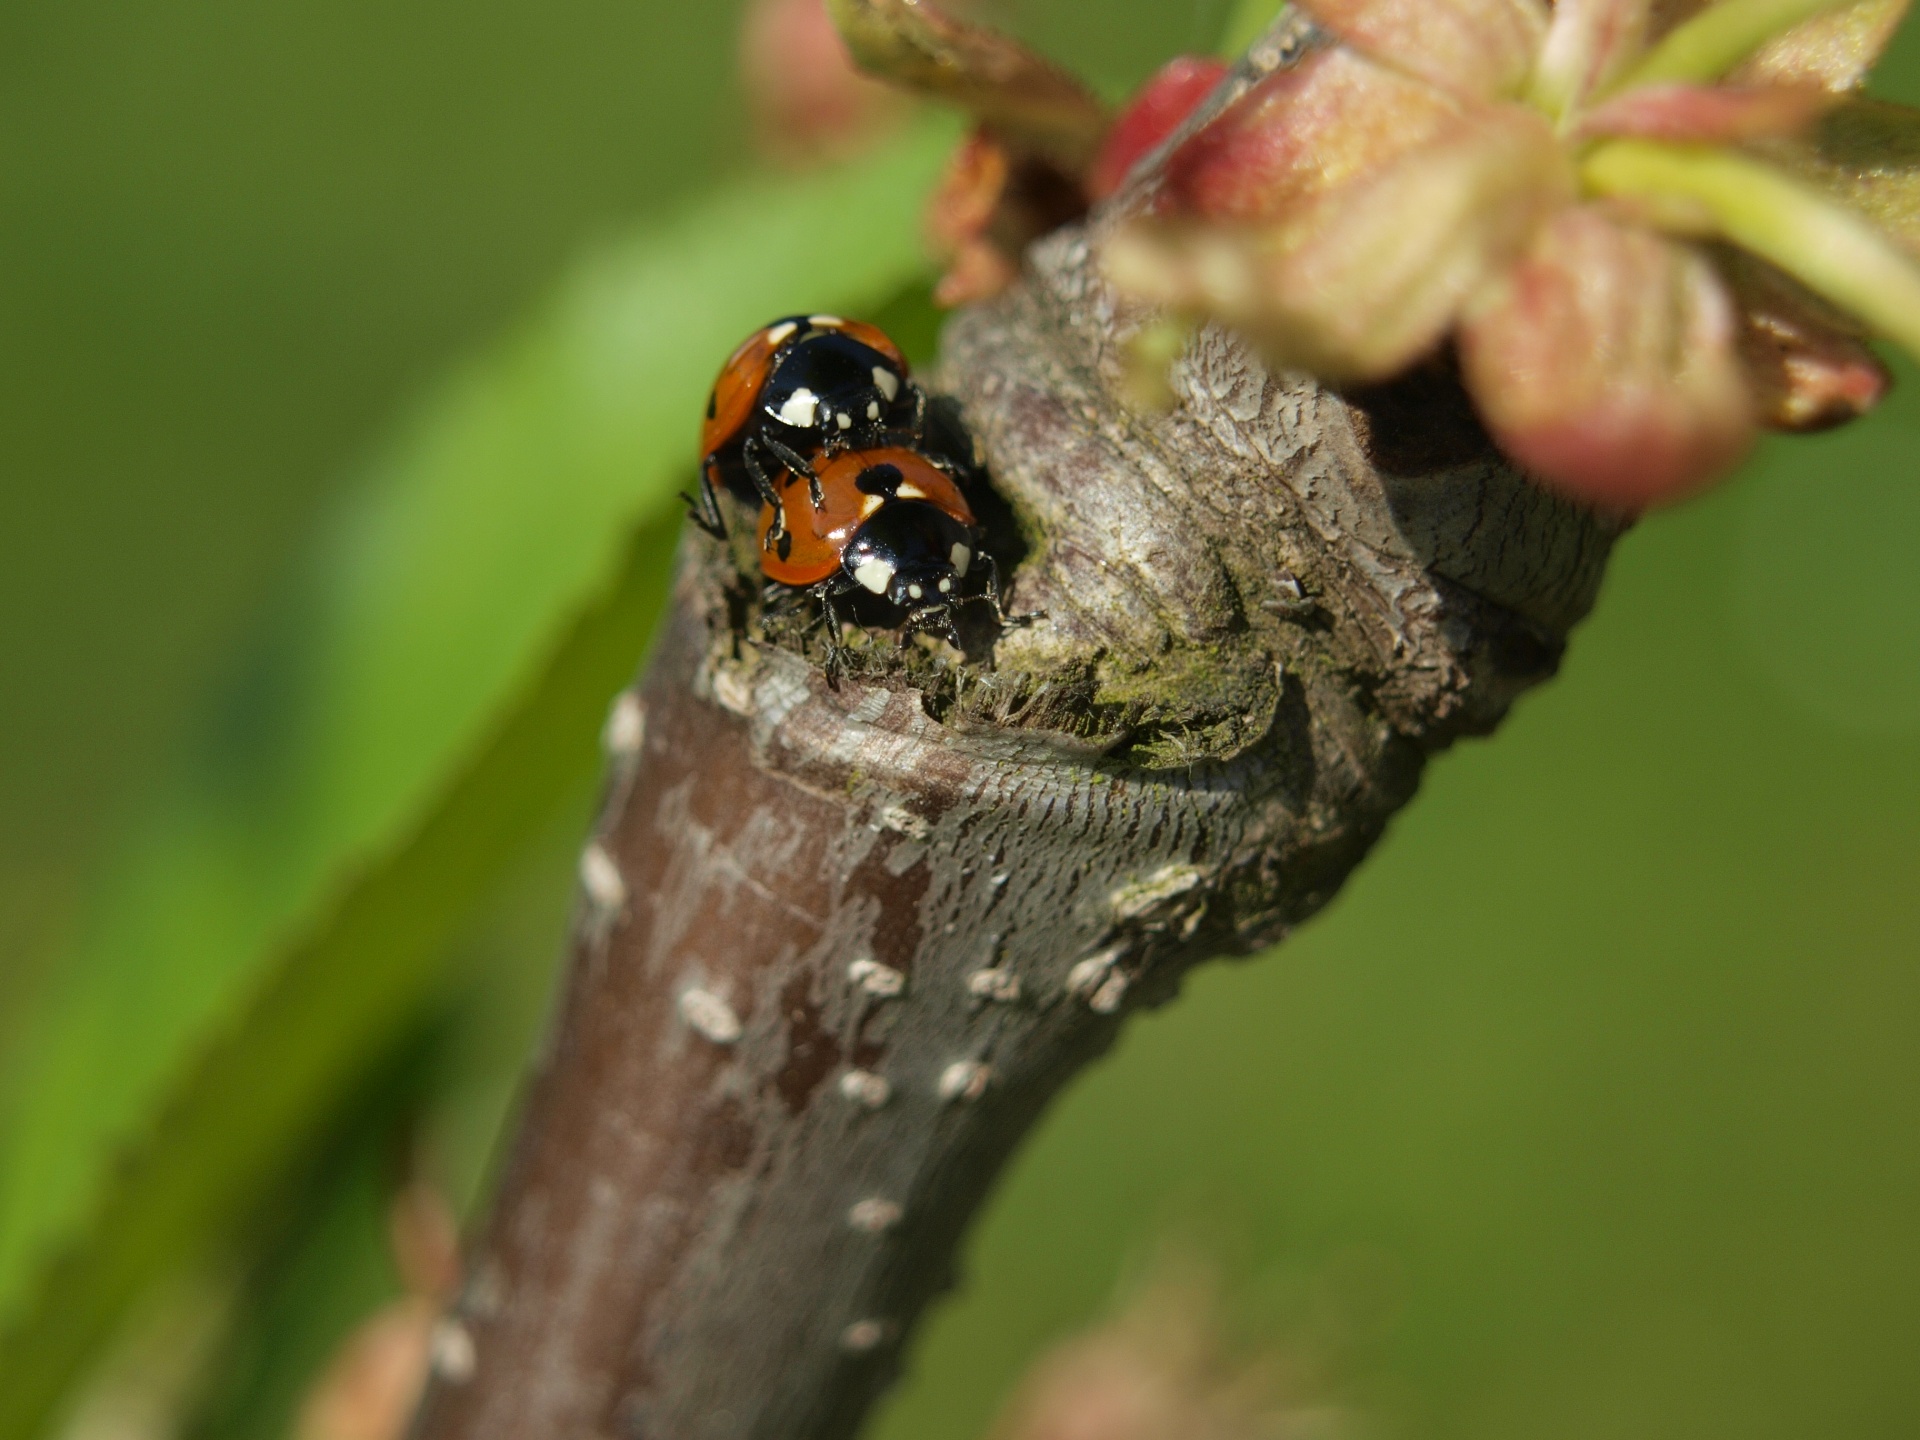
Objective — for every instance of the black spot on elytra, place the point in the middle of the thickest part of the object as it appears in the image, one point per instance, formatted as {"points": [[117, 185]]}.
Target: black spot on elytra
{"points": [[879, 480], [784, 544]]}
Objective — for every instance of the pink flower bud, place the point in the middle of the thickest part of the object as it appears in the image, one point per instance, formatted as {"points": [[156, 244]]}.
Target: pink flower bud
{"points": [[1151, 116], [1604, 363], [807, 101]]}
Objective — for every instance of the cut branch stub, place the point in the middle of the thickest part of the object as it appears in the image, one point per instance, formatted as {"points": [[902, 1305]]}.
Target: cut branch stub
{"points": [[839, 947]]}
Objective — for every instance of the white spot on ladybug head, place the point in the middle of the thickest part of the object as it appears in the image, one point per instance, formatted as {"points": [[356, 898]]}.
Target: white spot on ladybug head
{"points": [[875, 574], [909, 491], [946, 585], [779, 333], [886, 382], [914, 592], [961, 557], [873, 409], [870, 504], [843, 420], [825, 322], [800, 409]]}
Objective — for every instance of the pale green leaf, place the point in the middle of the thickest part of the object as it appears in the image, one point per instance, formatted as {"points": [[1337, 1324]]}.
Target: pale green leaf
{"points": [[1833, 250], [1707, 46], [1866, 153], [1247, 23]]}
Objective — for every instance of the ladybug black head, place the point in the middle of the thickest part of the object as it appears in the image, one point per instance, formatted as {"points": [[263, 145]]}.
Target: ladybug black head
{"points": [[830, 388], [913, 553]]}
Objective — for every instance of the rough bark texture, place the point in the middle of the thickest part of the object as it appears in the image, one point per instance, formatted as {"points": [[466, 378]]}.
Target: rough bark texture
{"points": [[839, 948]]}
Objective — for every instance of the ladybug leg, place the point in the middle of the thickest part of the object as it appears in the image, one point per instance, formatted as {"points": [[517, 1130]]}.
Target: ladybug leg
{"points": [[947, 467], [836, 665], [799, 465], [992, 596], [705, 511], [779, 600], [764, 485]]}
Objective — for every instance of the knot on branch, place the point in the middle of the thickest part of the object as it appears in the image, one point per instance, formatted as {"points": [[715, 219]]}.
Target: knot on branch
{"points": [[1370, 552]]}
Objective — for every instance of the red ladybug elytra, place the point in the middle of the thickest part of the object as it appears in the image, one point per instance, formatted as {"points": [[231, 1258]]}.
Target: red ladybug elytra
{"points": [[806, 385]]}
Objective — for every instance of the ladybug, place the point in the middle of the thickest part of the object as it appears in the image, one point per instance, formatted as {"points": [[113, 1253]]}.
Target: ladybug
{"points": [[803, 387], [890, 523]]}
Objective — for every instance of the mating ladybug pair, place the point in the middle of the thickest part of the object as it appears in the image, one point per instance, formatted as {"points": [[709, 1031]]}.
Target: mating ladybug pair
{"points": [[827, 401]]}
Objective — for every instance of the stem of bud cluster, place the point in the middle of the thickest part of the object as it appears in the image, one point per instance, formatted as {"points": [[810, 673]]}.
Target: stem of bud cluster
{"points": [[1247, 23]]}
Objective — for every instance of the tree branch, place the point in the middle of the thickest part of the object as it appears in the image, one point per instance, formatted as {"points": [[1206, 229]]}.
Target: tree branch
{"points": [[837, 949]]}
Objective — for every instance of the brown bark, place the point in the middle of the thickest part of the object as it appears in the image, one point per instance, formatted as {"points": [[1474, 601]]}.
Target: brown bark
{"points": [[839, 948]]}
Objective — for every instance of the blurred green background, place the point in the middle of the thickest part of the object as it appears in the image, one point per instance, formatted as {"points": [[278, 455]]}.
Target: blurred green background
{"points": [[1588, 1110]]}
